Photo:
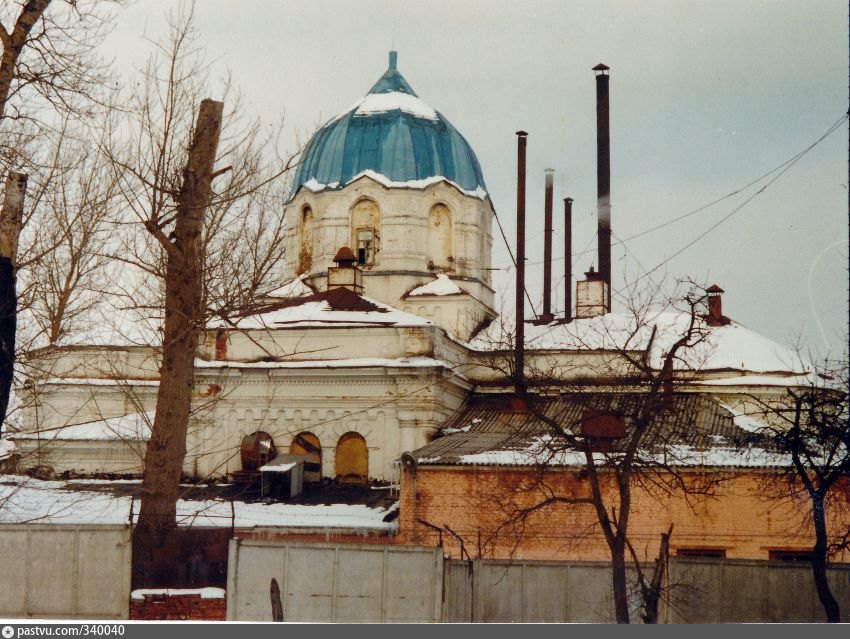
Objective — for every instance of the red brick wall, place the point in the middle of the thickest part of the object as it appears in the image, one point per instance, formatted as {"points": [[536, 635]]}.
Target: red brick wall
{"points": [[178, 608], [479, 506]]}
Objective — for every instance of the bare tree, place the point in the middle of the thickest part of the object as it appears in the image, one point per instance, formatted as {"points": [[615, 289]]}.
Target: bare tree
{"points": [[623, 441], [812, 428], [213, 242], [183, 323], [47, 59]]}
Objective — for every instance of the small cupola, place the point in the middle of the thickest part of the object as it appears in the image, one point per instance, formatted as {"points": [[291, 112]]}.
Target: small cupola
{"points": [[715, 315], [346, 273]]}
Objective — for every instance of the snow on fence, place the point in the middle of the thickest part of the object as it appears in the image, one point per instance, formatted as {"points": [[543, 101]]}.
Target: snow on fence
{"points": [[61, 571]]}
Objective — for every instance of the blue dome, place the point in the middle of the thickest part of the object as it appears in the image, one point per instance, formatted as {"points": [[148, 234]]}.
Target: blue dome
{"points": [[394, 133]]}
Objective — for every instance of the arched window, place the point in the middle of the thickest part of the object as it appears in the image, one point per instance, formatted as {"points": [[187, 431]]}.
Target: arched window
{"points": [[305, 248], [366, 231], [352, 459], [308, 444], [440, 237]]}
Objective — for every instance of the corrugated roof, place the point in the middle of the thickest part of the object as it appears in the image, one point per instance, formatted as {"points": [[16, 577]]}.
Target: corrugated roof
{"points": [[489, 431]]}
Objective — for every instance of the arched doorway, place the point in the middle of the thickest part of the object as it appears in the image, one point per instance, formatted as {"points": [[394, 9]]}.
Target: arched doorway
{"points": [[308, 444], [352, 459]]}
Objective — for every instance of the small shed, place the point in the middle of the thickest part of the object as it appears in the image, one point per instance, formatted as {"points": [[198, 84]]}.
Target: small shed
{"points": [[282, 477]]}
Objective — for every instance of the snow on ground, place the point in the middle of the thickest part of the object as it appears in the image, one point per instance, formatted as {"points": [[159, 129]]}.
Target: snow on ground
{"points": [[442, 285], [26, 500]]}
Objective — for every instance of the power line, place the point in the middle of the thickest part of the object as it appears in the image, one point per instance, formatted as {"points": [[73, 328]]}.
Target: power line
{"points": [[785, 167]]}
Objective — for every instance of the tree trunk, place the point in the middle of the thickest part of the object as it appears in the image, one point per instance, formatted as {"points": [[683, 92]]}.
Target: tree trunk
{"points": [[13, 42], [166, 449], [11, 217], [819, 562], [619, 581]]}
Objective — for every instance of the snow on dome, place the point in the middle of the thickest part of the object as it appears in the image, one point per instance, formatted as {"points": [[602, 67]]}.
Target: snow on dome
{"points": [[394, 134], [394, 101], [442, 285]]}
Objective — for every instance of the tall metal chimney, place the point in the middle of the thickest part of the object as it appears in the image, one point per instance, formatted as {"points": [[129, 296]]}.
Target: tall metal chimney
{"points": [[603, 176], [547, 315], [568, 259], [519, 346]]}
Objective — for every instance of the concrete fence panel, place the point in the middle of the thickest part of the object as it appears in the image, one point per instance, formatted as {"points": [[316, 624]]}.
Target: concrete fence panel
{"points": [[65, 571], [335, 583], [740, 591]]}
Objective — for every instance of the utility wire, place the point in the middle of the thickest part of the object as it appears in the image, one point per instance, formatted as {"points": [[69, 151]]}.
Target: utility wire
{"points": [[785, 167]]}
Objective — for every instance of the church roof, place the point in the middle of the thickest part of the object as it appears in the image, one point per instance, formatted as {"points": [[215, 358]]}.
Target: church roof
{"points": [[334, 308], [392, 133]]}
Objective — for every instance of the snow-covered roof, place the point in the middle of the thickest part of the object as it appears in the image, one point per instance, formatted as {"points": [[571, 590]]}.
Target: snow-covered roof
{"points": [[730, 347], [135, 427], [691, 431], [440, 285], [294, 288], [335, 308], [29, 500]]}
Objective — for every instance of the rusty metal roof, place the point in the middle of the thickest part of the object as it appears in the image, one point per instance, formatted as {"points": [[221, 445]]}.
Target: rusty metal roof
{"points": [[490, 424]]}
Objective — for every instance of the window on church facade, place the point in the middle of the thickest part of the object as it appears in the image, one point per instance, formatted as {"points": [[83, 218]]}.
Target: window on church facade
{"points": [[365, 227]]}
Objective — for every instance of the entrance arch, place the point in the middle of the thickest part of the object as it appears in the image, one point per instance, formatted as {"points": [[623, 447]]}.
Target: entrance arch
{"points": [[352, 459], [307, 444]]}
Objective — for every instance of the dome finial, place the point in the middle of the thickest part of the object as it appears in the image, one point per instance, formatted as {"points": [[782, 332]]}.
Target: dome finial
{"points": [[393, 59]]}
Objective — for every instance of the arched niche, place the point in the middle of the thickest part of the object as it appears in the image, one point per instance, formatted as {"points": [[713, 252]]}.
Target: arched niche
{"points": [[351, 463], [305, 235], [308, 444], [366, 231], [440, 237]]}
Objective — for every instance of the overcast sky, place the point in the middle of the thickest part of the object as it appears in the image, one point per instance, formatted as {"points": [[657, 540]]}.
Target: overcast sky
{"points": [[706, 96]]}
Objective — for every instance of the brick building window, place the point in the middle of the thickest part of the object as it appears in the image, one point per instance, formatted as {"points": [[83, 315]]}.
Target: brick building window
{"points": [[705, 553], [790, 555]]}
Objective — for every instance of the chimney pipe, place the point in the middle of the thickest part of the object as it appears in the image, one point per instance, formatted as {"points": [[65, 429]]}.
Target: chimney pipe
{"points": [[519, 346], [547, 316], [715, 307], [603, 176], [568, 259]]}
